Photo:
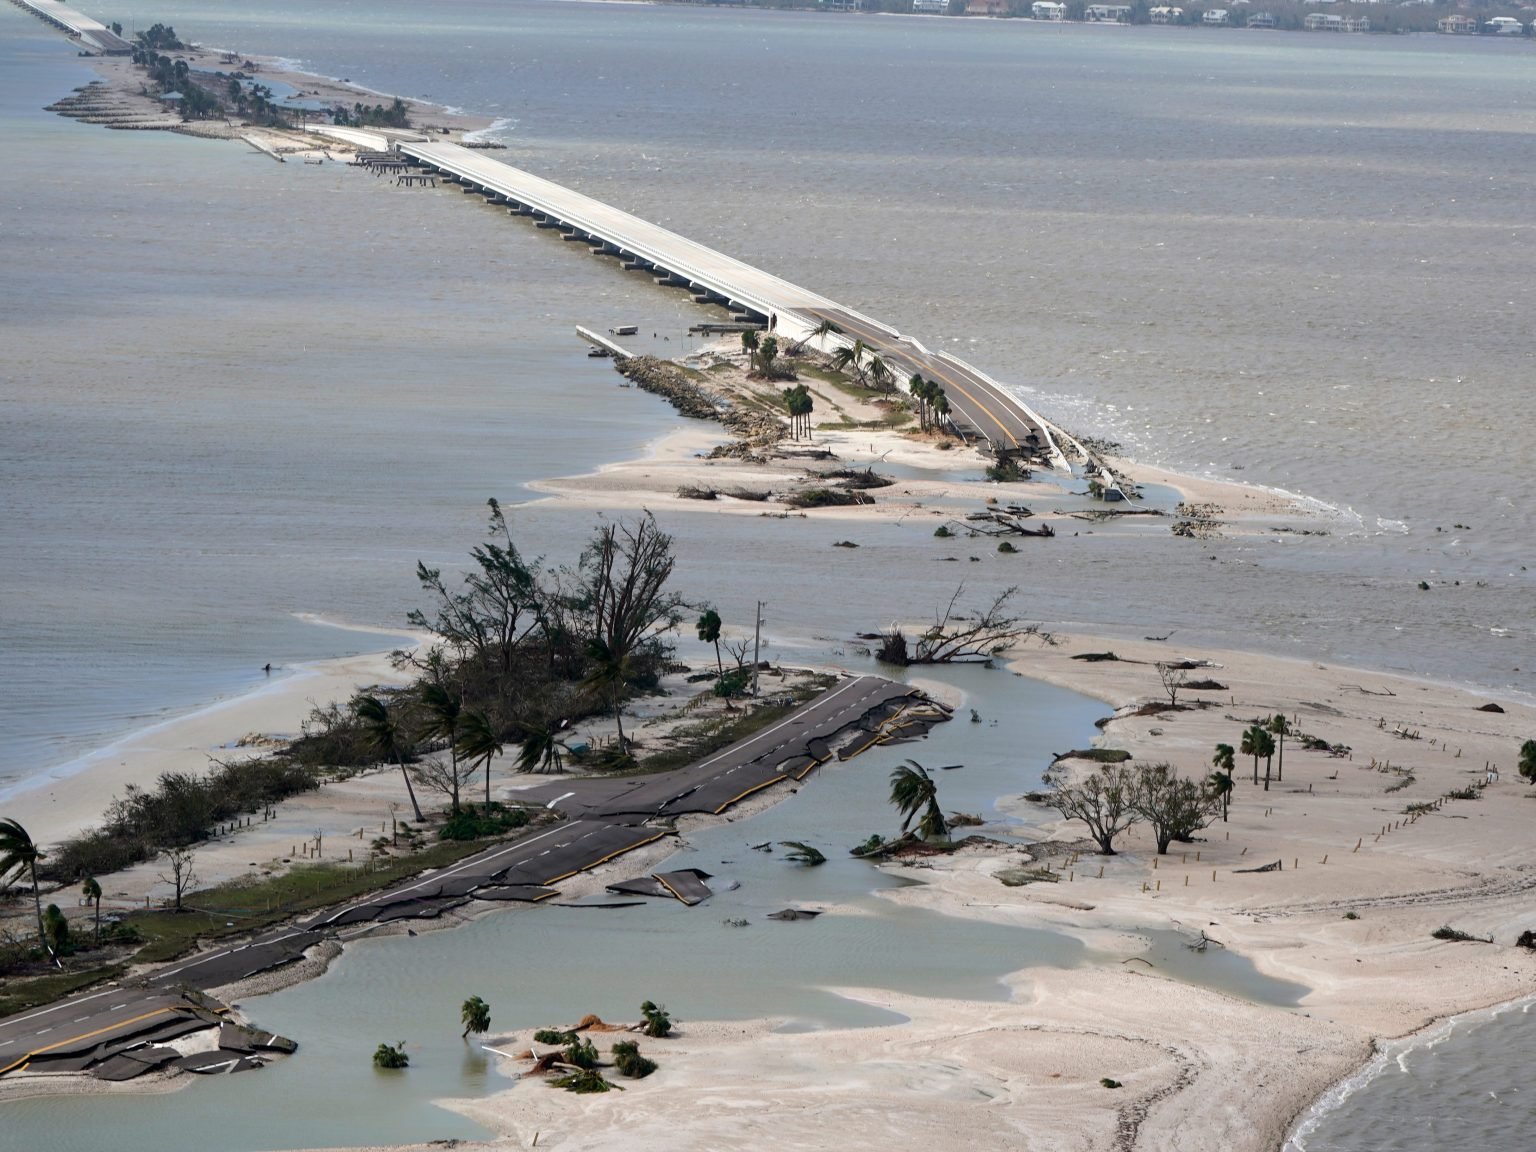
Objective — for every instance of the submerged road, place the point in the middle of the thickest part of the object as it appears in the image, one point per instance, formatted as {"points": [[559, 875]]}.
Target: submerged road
{"points": [[608, 817]]}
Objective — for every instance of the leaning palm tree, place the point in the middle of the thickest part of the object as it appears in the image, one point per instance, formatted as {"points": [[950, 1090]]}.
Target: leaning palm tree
{"points": [[385, 737], [709, 633], [916, 796], [442, 714], [881, 377], [91, 890], [541, 748], [475, 1015], [17, 855], [851, 357], [479, 743], [1221, 780]]}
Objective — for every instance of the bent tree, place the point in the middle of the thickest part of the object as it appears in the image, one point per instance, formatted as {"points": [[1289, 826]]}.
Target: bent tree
{"points": [[916, 796], [19, 854]]}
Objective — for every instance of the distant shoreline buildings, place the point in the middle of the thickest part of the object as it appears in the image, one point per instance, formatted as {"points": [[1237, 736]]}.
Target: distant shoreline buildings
{"points": [[1298, 15]]}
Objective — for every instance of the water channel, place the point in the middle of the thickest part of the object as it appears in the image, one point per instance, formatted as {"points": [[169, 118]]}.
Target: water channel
{"points": [[548, 965]]}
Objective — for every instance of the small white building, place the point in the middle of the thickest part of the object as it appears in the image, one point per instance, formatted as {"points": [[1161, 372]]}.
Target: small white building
{"points": [[1215, 16], [1504, 26], [1261, 20], [1166, 15], [1047, 10], [1107, 14], [940, 7]]}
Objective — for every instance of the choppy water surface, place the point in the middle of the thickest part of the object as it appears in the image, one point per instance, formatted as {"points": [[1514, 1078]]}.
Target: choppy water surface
{"points": [[238, 392]]}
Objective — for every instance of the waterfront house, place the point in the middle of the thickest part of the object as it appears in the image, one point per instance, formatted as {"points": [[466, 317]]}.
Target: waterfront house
{"points": [[1261, 20], [1166, 15], [1047, 10], [1328, 22], [1458, 24], [1504, 26], [1215, 17], [1107, 14], [939, 7], [987, 8]]}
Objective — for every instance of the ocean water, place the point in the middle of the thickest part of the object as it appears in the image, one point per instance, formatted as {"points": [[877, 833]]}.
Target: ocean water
{"points": [[240, 396], [238, 400]]}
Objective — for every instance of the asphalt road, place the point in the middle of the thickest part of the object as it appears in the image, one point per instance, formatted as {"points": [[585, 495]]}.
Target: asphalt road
{"points": [[81, 1024], [790, 747], [975, 401], [606, 820]]}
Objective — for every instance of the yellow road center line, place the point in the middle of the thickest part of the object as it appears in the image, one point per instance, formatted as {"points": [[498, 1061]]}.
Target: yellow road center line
{"points": [[83, 1036]]}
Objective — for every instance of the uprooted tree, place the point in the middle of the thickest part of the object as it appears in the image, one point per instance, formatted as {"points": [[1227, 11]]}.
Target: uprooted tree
{"points": [[954, 638]]}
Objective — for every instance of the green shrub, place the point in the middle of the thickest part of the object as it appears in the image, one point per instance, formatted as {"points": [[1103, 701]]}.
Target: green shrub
{"points": [[943, 532], [553, 1037], [658, 1021], [581, 1053], [391, 1056], [586, 1081], [629, 1062], [475, 822]]}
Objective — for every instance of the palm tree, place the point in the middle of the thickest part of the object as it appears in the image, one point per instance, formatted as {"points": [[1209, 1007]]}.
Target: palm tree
{"points": [[541, 748], [852, 357], [91, 890], [1252, 739], [1278, 727], [479, 742], [916, 796], [917, 388], [880, 375], [385, 737], [610, 673], [1224, 761], [443, 715], [709, 633], [475, 1015], [18, 854], [1266, 747], [825, 328], [940, 405], [749, 344]]}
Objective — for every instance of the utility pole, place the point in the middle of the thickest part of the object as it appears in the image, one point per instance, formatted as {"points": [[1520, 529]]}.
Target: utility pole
{"points": [[757, 639]]}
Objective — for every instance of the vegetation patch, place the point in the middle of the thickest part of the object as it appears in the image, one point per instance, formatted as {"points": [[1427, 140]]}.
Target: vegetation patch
{"points": [[1097, 755], [825, 498], [477, 821], [1095, 657], [1018, 877], [1446, 932]]}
